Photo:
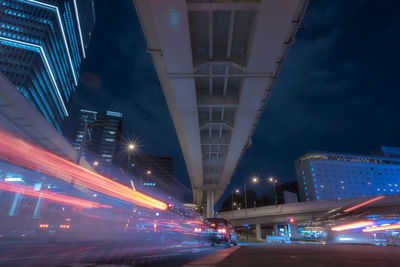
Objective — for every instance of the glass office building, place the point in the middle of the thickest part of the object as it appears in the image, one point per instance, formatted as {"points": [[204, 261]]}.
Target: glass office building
{"points": [[330, 176], [103, 138], [88, 117], [42, 45]]}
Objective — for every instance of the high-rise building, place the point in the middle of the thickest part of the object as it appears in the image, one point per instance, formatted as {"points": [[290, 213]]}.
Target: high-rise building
{"points": [[108, 137], [42, 44], [88, 117], [329, 176], [151, 172], [103, 136]]}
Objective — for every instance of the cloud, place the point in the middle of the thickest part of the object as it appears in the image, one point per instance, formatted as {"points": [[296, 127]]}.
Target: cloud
{"points": [[90, 80]]}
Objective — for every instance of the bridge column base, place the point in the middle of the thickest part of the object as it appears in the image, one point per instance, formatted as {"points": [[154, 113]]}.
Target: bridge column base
{"points": [[210, 204], [258, 231]]}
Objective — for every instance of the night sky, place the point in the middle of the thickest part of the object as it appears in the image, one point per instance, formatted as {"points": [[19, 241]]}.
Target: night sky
{"points": [[338, 90]]}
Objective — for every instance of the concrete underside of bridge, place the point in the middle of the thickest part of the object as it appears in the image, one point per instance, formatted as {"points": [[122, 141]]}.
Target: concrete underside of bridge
{"points": [[217, 62]]}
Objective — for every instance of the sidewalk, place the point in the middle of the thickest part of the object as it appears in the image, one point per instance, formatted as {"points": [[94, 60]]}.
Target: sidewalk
{"points": [[293, 255], [213, 259]]}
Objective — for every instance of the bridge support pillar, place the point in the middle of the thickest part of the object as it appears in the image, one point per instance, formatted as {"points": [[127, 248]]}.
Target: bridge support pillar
{"points": [[210, 204], [275, 230], [258, 231]]}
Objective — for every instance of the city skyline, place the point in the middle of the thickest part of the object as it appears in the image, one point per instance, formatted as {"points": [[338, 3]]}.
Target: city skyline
{"points": [[211, 132]]}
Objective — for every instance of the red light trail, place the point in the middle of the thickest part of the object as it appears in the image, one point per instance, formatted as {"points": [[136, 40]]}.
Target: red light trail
{"points": [[382, 227], [22, 153], [59, 198], [364, 203], [352, 226]]}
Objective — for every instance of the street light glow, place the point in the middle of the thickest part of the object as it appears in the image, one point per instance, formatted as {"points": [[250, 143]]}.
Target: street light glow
{"points": [[95, 163], [254, 179], [131, 146], [237, 191], [148, 172]]}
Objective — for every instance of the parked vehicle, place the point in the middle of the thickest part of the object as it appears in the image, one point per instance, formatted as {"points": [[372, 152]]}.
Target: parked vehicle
{"points": [[222, 232]]}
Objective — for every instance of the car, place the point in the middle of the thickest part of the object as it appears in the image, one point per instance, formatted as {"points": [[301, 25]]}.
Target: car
{"points": [[222, 232]]}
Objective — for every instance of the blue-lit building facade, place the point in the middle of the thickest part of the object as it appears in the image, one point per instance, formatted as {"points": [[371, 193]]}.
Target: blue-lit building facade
{"points": [[331, 176], [42, 45]]}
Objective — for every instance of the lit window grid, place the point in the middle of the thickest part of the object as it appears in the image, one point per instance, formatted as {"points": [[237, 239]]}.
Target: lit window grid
{"points": [[46, 62], [56, 10], [356, 191]]}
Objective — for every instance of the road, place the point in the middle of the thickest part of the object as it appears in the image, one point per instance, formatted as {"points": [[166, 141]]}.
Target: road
{"points": [[293, 255], [98, 254]]}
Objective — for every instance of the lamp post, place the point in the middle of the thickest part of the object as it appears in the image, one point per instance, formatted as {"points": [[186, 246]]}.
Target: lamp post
{"points": [[247, 218], [254, 180], [274, 181], [232, 205], [237, 191]]}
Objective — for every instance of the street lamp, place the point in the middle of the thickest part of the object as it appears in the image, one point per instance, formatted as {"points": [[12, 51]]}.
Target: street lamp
{"points": [[131, 147], [237, 191], [96, 163], [274, 181], [148, 172]]}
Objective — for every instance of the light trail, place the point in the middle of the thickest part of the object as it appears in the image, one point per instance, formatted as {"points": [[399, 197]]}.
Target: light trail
{"points": [[22, 153], [382, 228], [364, 203], [352, 226], [44, 194]]}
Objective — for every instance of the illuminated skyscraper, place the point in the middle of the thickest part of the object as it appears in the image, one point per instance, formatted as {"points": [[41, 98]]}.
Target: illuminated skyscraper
{"points": [[42, 44], [103, 137], [107, 138], [85, 117]]}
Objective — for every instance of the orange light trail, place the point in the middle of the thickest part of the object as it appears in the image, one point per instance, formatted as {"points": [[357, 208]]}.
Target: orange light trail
{"points": [[22, 153], [364, 203], [381, 228], [352, 226], [44, 194]]}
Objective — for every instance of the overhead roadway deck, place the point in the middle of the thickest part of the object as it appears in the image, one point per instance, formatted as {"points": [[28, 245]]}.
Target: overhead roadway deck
{"points": [[217, 62], [20, 118]]}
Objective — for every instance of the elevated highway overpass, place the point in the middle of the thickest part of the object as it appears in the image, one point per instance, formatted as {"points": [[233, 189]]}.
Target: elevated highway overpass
{"points": [[217, 62], [303, 211]]}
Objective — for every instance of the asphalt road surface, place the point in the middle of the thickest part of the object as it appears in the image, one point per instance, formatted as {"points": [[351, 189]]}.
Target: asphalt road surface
{"points": [[303, 255], [100, 254]]}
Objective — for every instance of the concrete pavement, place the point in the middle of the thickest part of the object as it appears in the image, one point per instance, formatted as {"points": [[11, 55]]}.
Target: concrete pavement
{"points": [[303, 255]]}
